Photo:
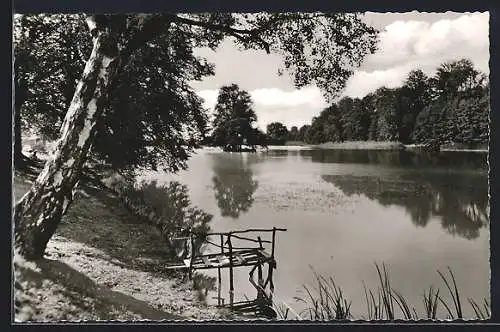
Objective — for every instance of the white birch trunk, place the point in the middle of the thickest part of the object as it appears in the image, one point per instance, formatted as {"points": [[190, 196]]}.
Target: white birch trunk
{"points": [[39, 212]]}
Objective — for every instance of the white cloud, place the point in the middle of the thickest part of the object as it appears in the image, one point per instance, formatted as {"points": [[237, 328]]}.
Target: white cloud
{"points": [[404, 45], [209, 97], [407, 45], [292, 108], [277, 98], [362, 82]]}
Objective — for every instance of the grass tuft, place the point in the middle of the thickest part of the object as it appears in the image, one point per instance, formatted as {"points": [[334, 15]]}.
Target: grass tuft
{"points": [[327, 303], [431, 303], [455, 296], [327, 300], [483, 312]]}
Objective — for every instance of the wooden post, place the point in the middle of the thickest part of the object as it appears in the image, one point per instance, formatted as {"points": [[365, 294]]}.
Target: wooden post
{"points": [[231, 285], [260, 291], [272, 264], [260, 242], [274, 239], [270, 278], [219, 272]]}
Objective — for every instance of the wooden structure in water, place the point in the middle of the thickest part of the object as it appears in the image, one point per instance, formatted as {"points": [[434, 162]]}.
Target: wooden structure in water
{"points": [[238, 249], [231, 148]]}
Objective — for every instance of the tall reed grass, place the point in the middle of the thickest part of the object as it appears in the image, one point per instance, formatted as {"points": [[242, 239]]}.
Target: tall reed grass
{"points": [[326, 301]]}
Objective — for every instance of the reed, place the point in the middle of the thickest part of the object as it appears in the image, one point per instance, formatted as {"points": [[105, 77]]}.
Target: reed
{"points": [[327, 301], [482, 312], [282, 311], [431, 303], [455, 296]]}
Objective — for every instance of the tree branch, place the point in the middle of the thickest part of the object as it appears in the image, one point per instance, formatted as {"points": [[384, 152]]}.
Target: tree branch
{"points": [[244, 35]]}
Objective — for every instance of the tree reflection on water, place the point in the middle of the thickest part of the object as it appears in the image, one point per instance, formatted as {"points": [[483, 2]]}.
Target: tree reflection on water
{"points": [[459, 200], [233, 183]]}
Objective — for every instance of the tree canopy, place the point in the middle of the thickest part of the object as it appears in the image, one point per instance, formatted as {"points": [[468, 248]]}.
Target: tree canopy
{"points": [[277, 133], [318, 48], [451, 106], [50, 52], [234, 119], [138, 129]]}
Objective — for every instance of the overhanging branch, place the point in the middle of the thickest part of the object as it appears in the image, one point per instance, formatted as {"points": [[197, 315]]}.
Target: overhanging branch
{"points": [[244, 35]]}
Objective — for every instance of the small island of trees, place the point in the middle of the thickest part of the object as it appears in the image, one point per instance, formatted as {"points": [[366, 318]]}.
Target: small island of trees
{"points": [[234, 122]]}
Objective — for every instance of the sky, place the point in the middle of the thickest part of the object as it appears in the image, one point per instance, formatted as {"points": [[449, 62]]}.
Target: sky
{"points": [[407, 41]]}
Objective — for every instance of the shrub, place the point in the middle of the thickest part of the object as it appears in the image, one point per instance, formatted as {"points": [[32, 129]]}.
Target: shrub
{"points": [[167, 206]]}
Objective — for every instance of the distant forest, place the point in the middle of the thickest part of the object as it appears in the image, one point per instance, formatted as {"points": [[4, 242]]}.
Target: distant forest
{"points": [[452, 106]]}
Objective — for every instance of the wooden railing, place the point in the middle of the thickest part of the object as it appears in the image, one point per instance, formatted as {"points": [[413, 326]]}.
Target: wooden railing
{"points": [[227, 246]]}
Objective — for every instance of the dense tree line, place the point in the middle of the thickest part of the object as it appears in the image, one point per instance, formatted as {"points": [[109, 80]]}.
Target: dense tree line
{"points": [[450, 107]]}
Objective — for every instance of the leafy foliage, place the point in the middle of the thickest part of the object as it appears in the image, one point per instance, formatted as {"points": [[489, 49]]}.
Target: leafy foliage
{"points": [[293, 135], [451, 106], [234, 119], [138, 131], [277, 133], [50, 52], [154, 116], [319, 48]]}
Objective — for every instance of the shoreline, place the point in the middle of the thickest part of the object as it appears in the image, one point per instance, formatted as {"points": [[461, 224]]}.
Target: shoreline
{"points": [[386, 146], [92, 275]]}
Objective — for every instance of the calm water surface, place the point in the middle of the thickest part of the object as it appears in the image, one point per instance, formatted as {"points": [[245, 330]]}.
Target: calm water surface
{"points": [[346, 210]]}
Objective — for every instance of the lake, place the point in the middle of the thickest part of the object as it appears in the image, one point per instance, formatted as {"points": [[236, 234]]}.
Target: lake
{"points": [[344, 210]]}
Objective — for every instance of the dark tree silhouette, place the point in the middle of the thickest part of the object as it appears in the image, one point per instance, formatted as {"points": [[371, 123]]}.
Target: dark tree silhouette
{"points": [[452, 106], [234, 120], [277, 133], [234, 185]]}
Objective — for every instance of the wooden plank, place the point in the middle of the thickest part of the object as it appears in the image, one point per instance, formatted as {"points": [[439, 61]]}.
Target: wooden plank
{"points": [[206, 261], [174, 267], [204, 267], [246, 253], [265, 254], [231, 281], [250, 239], [240, 259], [248, 230], [223, 260]]}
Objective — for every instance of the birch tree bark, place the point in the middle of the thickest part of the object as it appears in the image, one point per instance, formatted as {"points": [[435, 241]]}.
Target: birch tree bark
{"points": [[39, 212], [19, 87]]}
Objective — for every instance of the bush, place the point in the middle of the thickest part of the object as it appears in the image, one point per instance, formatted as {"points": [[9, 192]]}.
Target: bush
{"points": [[167, 206], [172, 204]]}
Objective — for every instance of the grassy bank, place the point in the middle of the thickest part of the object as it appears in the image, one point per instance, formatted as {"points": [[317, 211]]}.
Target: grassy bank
{"points": [[360, 145], [103, 263], [376, 145]]}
